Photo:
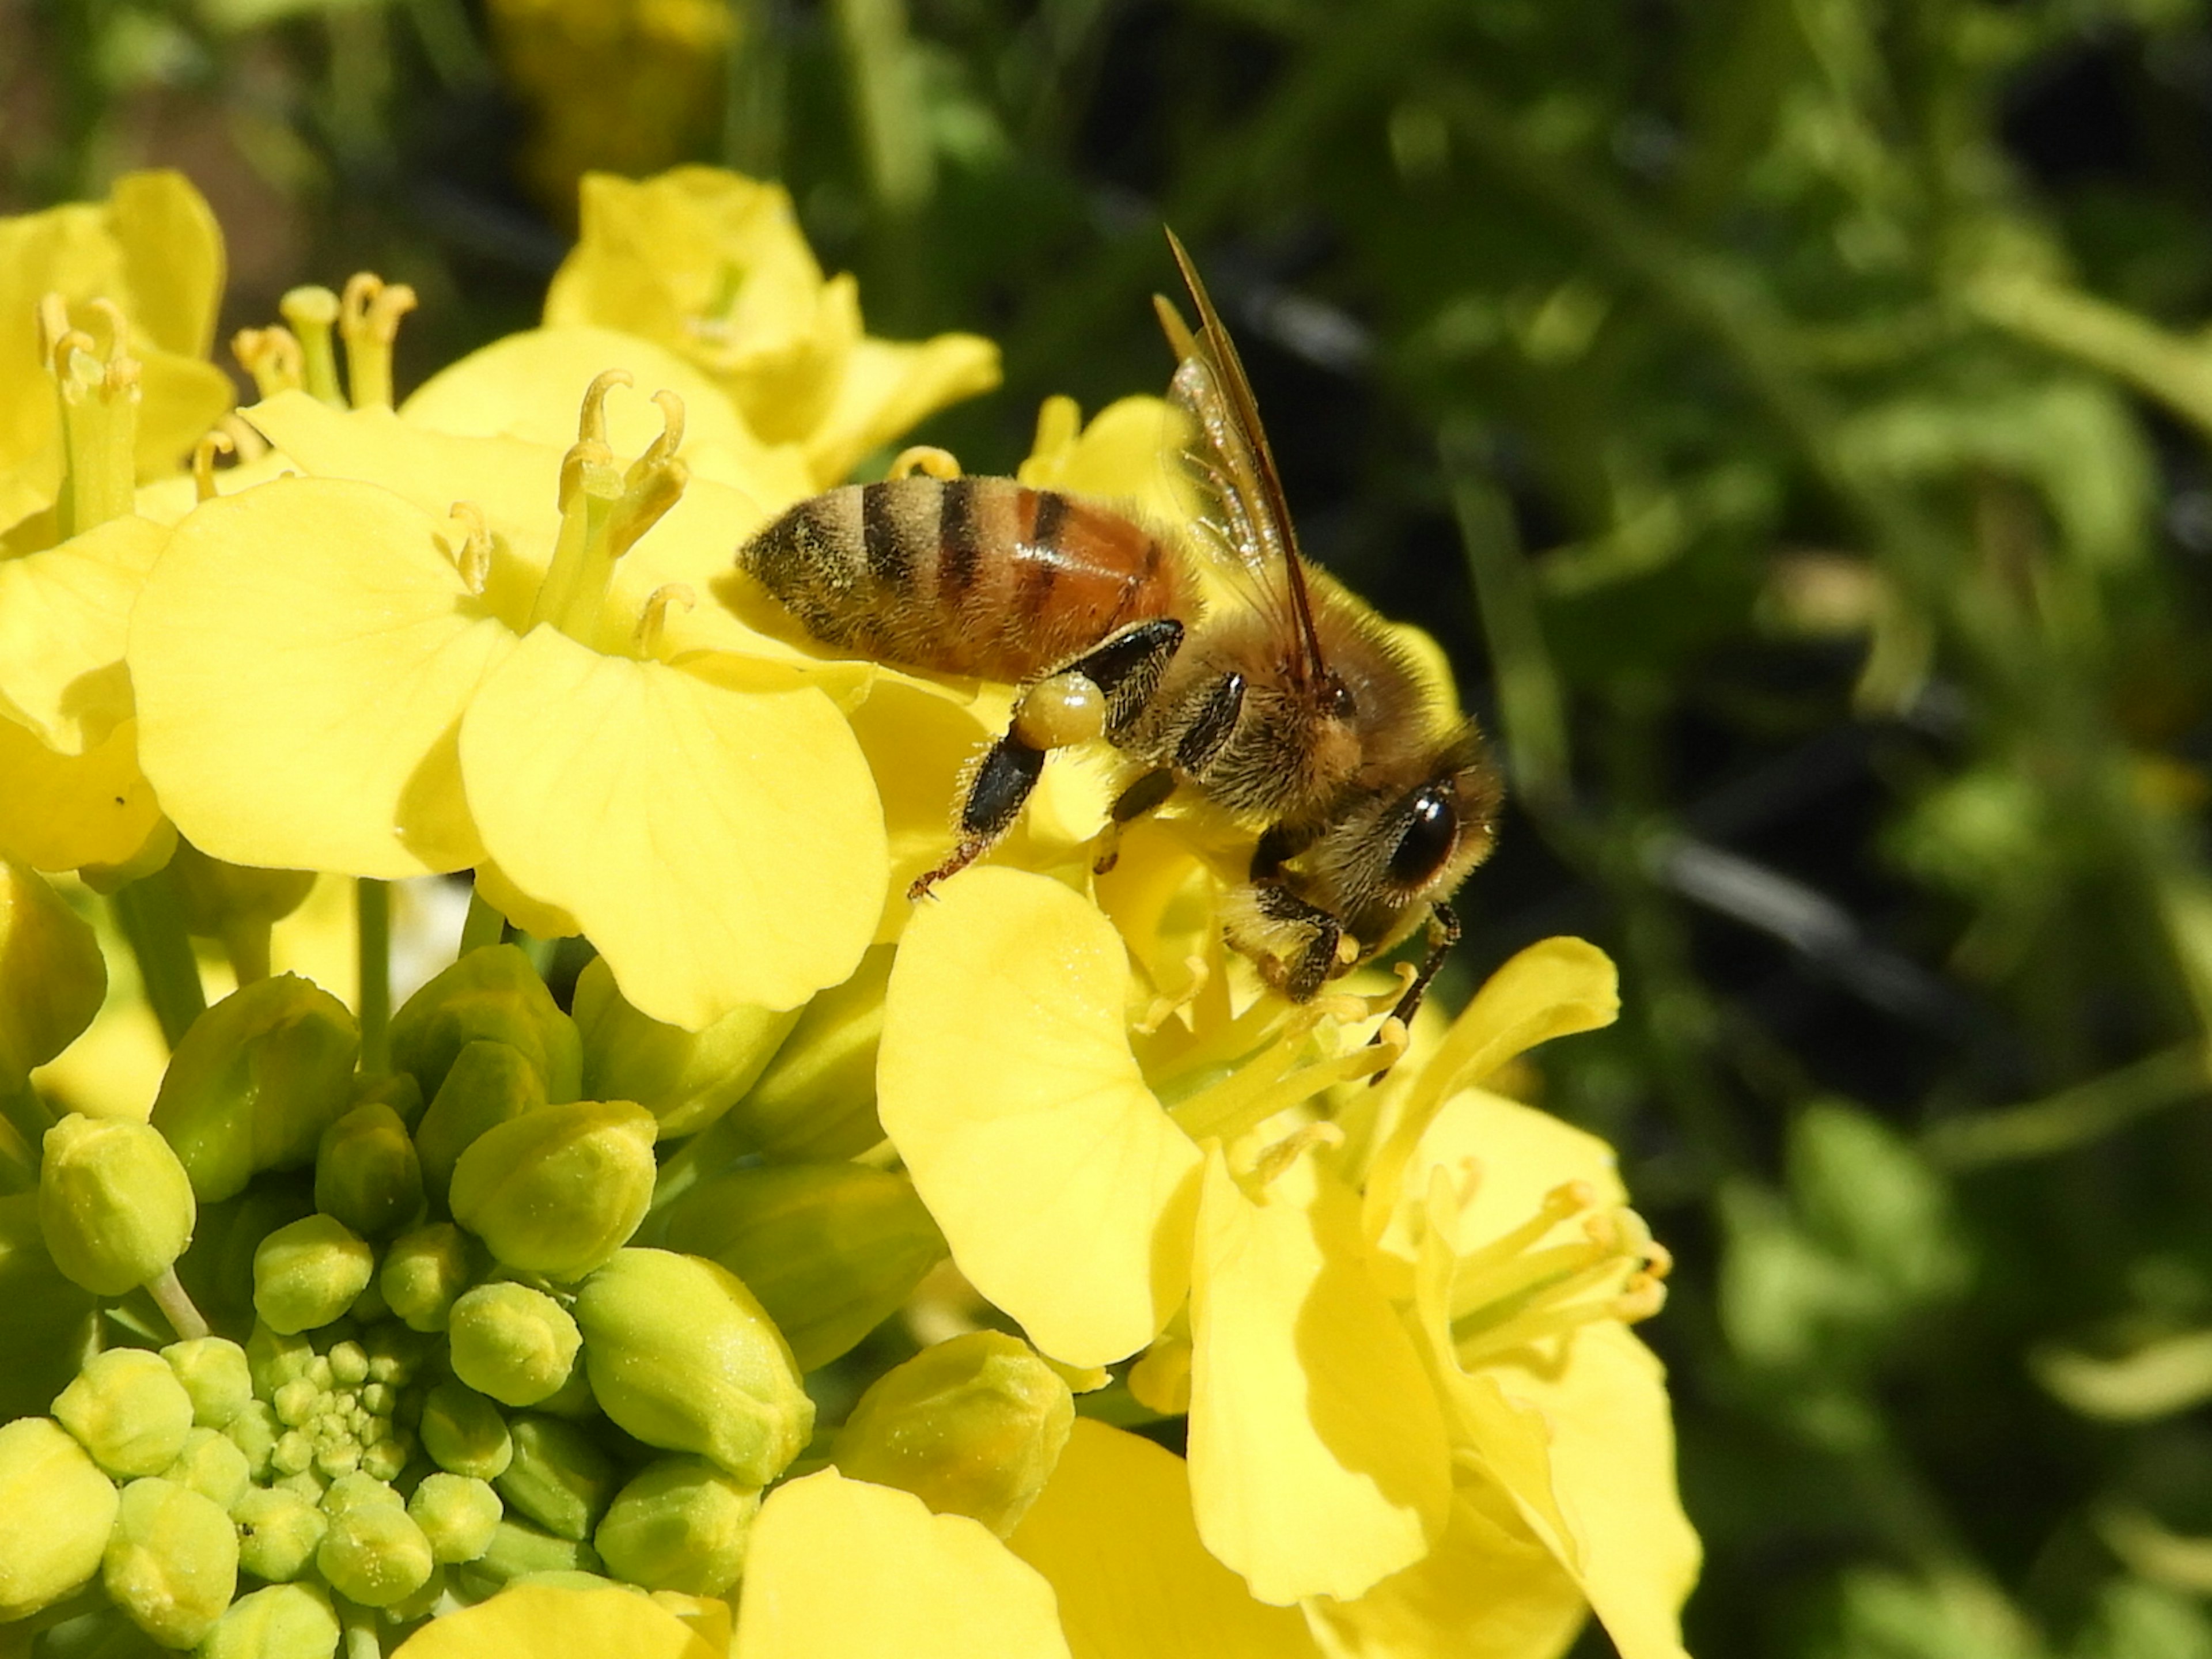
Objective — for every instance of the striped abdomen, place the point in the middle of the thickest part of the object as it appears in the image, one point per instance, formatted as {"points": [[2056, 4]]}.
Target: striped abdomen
{"points": [[981, 576]]}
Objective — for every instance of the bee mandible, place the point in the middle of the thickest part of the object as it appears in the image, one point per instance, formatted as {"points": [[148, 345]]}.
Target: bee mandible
{"points": [[1286, 704]]}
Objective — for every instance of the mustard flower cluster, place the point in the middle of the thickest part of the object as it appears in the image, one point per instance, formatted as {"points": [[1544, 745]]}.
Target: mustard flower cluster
{"points": [[823, 1274]]}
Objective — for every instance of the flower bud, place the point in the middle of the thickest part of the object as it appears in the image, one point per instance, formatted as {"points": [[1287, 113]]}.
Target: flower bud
{"points": [[128, 1410], [218, 1271], [367, 1173], [686, 1079], [559, 1479], [51, 1320], [487, 1084], [426, 1271], [275, 1358], [492, 992], [398, 1090], [171, 1563], [518, 1549], [254, 1432], [212, 1465], [682, 1525], [215, 1374], [350, 1492], [464, 1434], [255, 1083], [233, 902], [374, 1553], [285, 1621], [830, 1249], [278, 1532], [55, 1509], [681, 1355], [53, 977], [511, 1343], [309, 1273], [457, 1514], [113, 1201], [972, 1427], [816, 1099], [559, 1191]]}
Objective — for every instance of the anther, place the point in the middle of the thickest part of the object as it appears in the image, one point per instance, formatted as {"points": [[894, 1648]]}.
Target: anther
{"points": [[474, 560], [592, 419], [211, 444], [368, 317], [1272, 1163], [1165, 1007], [271, 355], [925, 457], [655, 617], [662, 449]]}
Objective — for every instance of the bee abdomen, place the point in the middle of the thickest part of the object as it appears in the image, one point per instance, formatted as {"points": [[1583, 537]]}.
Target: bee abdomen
{"points": [[981, 576]]}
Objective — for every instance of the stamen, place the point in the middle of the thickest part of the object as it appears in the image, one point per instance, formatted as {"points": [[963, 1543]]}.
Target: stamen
{"points": [[369, 317], [1268, 1083], [591, 418], [1272, 1163], [925, 457], [647, 640], [474, 560], [272, 356], [1164, 1008], [211, 444], [98, 395], [248, 445], [311, 310], [1509, 1293], [662, 449]]}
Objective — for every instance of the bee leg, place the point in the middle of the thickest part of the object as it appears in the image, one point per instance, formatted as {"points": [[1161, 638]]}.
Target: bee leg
{"points": [[1008, 771], [1443, 934], [1133, 803]]}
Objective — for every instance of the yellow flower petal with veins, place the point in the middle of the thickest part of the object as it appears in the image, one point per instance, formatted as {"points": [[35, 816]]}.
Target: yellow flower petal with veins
{"points": [[543, 1622], [1318, 1459], [1005, 1080], [302, 653], [1112, 1532], [64, 811], [839, 1569], [1122, 455], [721, 848], [887, 385], [63, 615]]}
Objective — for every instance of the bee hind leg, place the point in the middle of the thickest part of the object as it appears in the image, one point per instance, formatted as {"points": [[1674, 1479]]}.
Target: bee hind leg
{"points": [[1002, 782]]}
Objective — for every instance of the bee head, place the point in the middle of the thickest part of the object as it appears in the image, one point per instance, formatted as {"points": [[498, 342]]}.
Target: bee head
{"points": [[1436, 831]]}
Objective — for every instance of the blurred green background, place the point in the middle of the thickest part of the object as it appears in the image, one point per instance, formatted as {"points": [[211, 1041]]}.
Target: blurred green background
{"points": [[1792, 414]]}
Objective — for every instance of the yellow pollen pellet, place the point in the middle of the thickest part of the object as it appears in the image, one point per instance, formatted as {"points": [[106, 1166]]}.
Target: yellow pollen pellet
{"points": [[1067, 708]]}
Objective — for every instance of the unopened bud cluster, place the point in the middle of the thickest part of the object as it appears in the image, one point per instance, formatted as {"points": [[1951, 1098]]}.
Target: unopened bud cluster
{"points": [[467, 1326]]}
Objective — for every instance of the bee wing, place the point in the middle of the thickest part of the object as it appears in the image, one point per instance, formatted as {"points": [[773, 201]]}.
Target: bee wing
{"points": [[1244, 524]]}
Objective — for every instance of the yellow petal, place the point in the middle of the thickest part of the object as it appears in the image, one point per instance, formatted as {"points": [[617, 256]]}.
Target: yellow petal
{"points": [[64, 811], [840, 1568], [721, 848], [1113, 1534], [1487, 1590], [301, 655], [1318, 1457], [63, 613], [888, 385], [540, 1621], [1006, 1083], [532, 916], [1125, 454], [172, 258], [919, 740]]}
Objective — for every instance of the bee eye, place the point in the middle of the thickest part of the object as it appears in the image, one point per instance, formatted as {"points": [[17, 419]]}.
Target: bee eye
{"points": [[1425, 845]]}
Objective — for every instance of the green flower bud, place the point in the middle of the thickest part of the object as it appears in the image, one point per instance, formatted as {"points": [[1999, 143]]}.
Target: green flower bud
{"points": [[398, 1090], [832, 1250], [513, 1343], [426, 1271], [493, 992], [233, 903], [53, 977], [971, 1427], [285, 1621], [464, 1434], [55, 1509], [517, 1548], [559, 1191], [559, 1478], [255, 1083], [457, 1514], [114, 1202], [212, 1465], [350, 1492], [254, 1432], [215, 1374], [309, 1273], [275, 1358], [487, 1084], [681, 1355], [171, 1563], [278, 1532], [375, 1554], [686, 1079], [51, 1320], [218, 1271], [816, 1100], [128, 1410], [366, 1174], [681, 1525]]}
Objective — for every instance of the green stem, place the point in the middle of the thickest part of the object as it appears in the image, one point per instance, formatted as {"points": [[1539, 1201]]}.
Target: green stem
{"points": [[372, 938], [359, 1624], [2075, 1117], [176, 1306], [26, 1114], [147, 913], [484, 927]]}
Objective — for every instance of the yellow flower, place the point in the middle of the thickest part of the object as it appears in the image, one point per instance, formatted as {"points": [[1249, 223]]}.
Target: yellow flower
{"points": [[712, 265], [333, 673]]}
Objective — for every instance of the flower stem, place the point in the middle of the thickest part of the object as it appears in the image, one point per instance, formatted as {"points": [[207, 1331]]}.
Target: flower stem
{"points": [[373, 935], [23, 1111], [484, 926], [147, 913], [176, 1306]]}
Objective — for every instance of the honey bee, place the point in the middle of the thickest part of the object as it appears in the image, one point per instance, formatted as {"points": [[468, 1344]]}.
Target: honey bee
{"points": [[1286, 706]]}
